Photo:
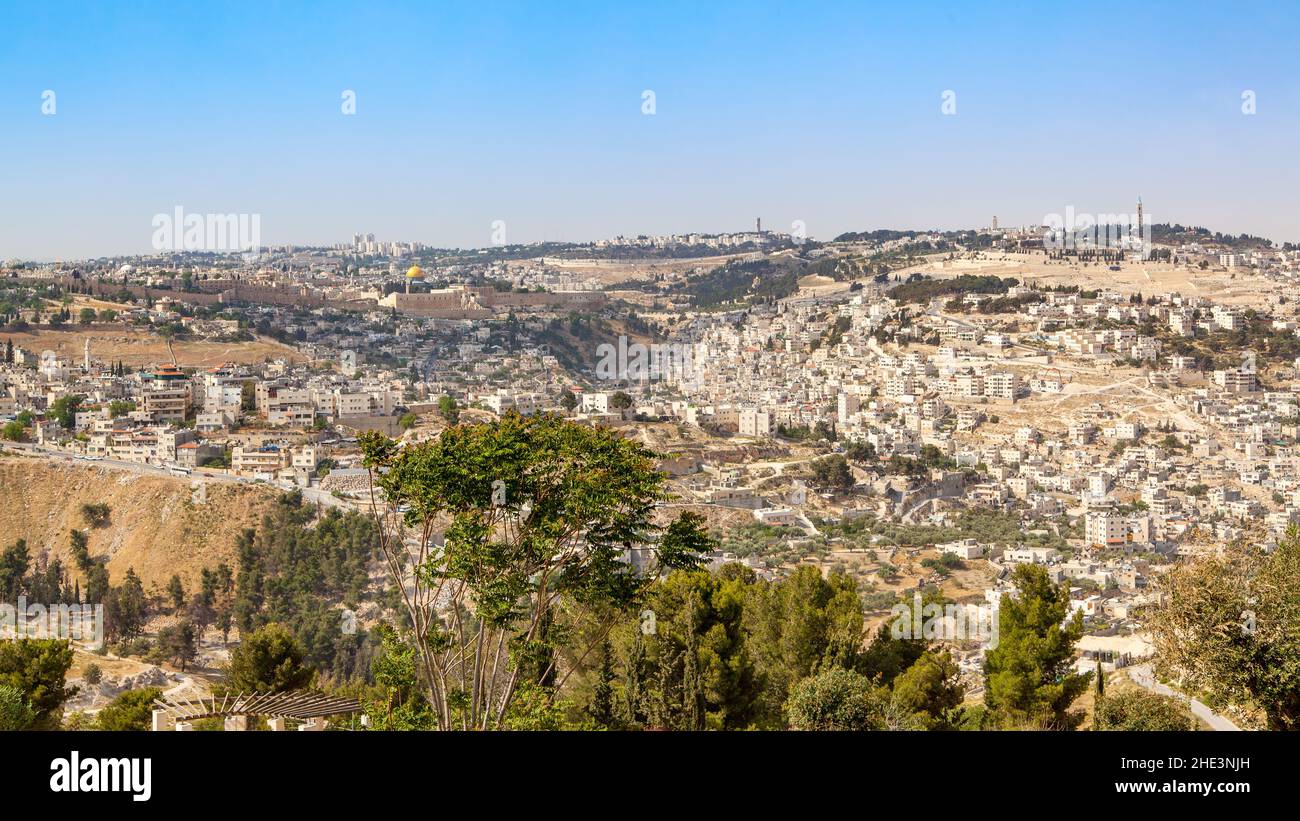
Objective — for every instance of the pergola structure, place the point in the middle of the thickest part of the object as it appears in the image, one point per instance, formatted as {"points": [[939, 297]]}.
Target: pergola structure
{"points": [[307, 707]]}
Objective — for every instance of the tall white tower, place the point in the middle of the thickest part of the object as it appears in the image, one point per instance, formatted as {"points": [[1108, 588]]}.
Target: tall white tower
{"points": [[85, 359]]}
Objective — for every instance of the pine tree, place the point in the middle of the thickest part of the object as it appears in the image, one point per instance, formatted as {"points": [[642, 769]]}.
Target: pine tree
{"points": [[1028, 676], [602, 699], [692, 684], [635, 686]]}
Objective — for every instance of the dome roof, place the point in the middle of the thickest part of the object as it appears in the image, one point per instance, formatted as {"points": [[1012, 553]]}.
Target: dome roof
{"points": [[414, 272]]}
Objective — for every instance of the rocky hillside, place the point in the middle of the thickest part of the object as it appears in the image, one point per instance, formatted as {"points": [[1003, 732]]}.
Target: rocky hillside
{"points": [[154, 525]]}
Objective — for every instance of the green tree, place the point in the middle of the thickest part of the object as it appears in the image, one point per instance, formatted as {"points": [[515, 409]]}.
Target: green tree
{"points": [[861, 452], [1228, 626], [887, 657], [96, 514], [14, 562], [449, 410], [1028, 678], [64, 410], [132, 710], [699, 671], [38, 668], [269, 659], [120, 407], [179, 642], [15, 712], [1137, 710], [539, 511], [125, 608], [602, 701], [801, 625], [407, 421], [176, 592], [86, 316], [95, 573], [836, 700], [399, 702], [929, 690], [832, 473]]}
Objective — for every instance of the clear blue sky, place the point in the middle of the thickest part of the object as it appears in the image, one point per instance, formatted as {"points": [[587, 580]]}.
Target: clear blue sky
{"points": [[530, 113]]}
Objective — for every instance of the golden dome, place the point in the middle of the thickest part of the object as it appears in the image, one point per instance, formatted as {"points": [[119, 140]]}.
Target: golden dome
{"points": [[414, 272]]}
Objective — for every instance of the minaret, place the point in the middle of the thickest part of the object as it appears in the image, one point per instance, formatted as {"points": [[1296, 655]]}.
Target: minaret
{"points": [[85, 360], [1139, 215]]}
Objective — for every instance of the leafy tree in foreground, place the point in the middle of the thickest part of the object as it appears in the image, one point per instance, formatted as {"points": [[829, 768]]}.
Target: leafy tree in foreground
{"points": [[401, 704], [1028, 678], [38, 668], [15, 712], [839, 700], [540, 513], [132, 710], [1140, 710], [1230, 626]]}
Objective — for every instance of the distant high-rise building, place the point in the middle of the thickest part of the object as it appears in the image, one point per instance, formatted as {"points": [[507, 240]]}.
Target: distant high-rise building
{"points": [[995, 223], [759, 224]]}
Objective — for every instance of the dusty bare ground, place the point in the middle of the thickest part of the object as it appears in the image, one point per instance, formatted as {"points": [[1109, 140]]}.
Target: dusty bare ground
{"points": [[155, 527], [134, 347], [1219, 284], [612, 272]]}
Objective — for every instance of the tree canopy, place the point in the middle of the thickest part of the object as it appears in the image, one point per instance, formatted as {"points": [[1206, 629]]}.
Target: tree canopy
{"points": [[539, 513]]}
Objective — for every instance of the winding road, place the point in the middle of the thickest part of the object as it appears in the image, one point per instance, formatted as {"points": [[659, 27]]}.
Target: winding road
{"points": [[1143, 677]]}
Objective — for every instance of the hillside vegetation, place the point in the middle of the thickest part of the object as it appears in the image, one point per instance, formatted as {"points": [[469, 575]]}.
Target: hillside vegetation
{"points": [[153, 525]]}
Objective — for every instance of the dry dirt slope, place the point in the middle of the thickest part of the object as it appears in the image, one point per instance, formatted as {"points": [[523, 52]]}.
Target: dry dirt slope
{"points": [[155, 527]]}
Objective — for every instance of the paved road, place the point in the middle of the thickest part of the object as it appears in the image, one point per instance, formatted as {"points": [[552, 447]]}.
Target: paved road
{"points": [[309, 494], [1142, 676]]}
